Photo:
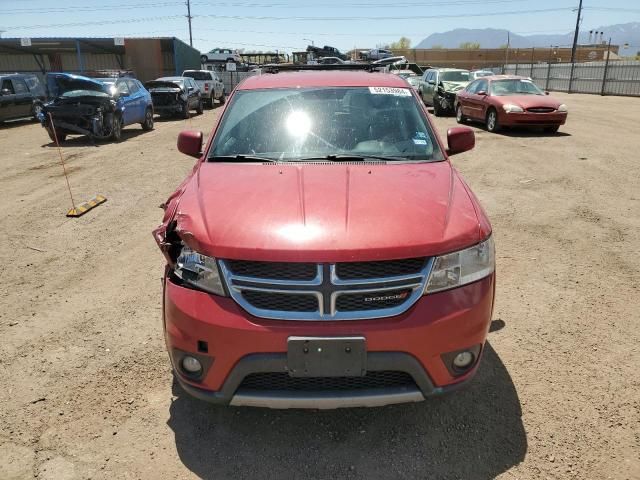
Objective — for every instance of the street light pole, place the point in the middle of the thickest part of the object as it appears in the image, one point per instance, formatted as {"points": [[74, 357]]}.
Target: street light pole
{"points": [[575, 34], [189, 17]]}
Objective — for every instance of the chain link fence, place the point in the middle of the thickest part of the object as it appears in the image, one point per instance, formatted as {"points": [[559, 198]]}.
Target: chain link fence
{"points": [[615, 77]]}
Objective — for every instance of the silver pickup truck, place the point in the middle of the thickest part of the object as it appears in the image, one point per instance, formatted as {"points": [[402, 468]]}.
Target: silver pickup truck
{"points": [[210, 85]]}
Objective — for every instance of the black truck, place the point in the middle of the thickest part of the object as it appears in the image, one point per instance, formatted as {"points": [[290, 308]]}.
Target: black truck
{"points": [[326, 51]]}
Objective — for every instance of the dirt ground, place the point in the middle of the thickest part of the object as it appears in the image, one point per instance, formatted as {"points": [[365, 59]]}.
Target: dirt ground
{"points": [[86, 387]]}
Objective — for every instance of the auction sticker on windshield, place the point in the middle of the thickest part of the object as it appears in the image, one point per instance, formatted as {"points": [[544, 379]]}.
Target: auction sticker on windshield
{"points": [[401, 92]]}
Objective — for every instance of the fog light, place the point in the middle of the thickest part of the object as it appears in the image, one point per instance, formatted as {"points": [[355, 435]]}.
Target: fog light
{"points": [[463, 360], [191, 364]]}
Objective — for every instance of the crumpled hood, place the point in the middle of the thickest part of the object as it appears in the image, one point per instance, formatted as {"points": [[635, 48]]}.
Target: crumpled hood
{"points": [[326, 213], [454, 86], [59, 83]]}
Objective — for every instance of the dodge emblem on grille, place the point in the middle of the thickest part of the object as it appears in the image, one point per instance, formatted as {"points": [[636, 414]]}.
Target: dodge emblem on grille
{"points": [[383, 298]]}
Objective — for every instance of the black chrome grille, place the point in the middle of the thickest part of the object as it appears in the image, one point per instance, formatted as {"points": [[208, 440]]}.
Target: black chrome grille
{"points": [[315, 291], [354, 302], [281, 381], [285, 302], [273, 270], [541, 109], [379, 269]]}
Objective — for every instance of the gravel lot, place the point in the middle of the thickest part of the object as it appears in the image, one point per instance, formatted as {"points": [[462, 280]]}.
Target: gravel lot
{"points": [[86, 385]]}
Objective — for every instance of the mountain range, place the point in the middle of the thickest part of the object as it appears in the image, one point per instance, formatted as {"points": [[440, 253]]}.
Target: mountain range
{"points": [[495, 38]]}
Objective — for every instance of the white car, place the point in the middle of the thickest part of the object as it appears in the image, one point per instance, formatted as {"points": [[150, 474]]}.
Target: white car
{"points": [[221, 55], [476, 74], [210, 85]]}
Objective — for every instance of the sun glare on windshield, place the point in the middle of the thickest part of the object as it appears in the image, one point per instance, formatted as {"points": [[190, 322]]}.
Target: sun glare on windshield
{"points": [[298, 124]]}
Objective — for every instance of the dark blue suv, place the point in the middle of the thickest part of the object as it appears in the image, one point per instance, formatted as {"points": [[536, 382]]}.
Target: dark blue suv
{"points": [[96, 107]]}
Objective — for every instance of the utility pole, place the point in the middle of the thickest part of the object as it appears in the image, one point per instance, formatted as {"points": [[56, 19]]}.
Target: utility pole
{"points": [[189, 17], [575, 34]]}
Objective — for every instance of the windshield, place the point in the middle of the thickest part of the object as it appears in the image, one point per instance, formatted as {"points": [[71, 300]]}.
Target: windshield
{"points": [[198, 75], [312, 123], [456, 76], [515, 86]]}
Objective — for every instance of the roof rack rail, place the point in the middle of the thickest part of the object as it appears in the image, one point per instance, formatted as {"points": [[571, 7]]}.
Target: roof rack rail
{"points": [[289, 67]]}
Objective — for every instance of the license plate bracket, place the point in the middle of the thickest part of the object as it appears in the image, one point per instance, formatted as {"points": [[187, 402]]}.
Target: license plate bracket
{"points": [[327, 356]]}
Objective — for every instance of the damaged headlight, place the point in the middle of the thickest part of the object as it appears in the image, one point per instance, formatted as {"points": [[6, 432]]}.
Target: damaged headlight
{"points": [[462, 267], [199, 270]]}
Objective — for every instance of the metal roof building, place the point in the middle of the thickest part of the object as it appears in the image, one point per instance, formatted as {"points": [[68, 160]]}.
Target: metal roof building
{"points": [[148, 58]]}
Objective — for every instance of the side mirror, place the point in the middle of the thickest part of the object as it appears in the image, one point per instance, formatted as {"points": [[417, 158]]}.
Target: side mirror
{"points": [[460, 139], [482, 93], [190, 143], [190, 89], [431, 82], [546, 93], [5, 91]]}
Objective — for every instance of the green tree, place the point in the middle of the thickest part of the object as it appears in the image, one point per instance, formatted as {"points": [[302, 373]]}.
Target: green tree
{"points": [[401, 44], [469, 45], [437, 46]]}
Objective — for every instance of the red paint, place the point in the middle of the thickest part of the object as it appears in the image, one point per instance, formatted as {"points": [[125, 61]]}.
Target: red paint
{"points": [[476, 107], [326, 213]]}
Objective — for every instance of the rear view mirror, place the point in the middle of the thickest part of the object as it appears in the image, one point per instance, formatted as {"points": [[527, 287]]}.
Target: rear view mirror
{"points": [[190, 143], [460, 139], [482, 93]]}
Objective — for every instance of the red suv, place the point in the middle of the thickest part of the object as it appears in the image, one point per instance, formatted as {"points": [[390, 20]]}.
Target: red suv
{"points": [[323, 252]]}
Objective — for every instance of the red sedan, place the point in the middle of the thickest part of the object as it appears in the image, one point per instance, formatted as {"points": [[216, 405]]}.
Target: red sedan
{"points": [[509, 101]]}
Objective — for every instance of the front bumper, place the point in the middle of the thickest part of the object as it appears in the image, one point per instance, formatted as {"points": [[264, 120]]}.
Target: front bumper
{"points": [[172, 108], [532, 119], [447, 100], [239, 345]]}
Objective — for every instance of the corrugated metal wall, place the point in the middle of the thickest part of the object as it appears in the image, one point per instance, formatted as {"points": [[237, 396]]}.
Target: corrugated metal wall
{"points": [[622, 76]]}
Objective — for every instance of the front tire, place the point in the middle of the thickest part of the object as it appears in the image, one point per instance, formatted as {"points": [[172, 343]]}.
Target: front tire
{"points": [[36, 110], [552, 129], [116, 130], [61, 136], [147, 125], [200, 107], [460, 118], [437, 110], [222, 98], [492, 121], [185, 110]]}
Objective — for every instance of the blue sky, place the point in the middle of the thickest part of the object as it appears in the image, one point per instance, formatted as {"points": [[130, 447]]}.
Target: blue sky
{"points": [[290, 25]]}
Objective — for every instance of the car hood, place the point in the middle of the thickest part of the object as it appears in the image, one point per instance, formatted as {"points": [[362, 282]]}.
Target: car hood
{"points": [[528, 101], [326, 213], [60, 83], [162, 85], [454, 86]]}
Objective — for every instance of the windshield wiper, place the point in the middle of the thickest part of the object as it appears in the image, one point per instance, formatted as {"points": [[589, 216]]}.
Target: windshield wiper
{"points": [[239, 158], [353, 158]]}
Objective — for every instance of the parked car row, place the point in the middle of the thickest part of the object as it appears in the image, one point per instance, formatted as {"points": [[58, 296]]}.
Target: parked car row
{"points": [[101, 107], [495, 100], [21, 96]]}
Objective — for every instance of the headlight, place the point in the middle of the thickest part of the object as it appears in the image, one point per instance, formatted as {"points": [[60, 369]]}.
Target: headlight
{"points": [[199, 270], [563, 108], [510, 108], [459, 268]]}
